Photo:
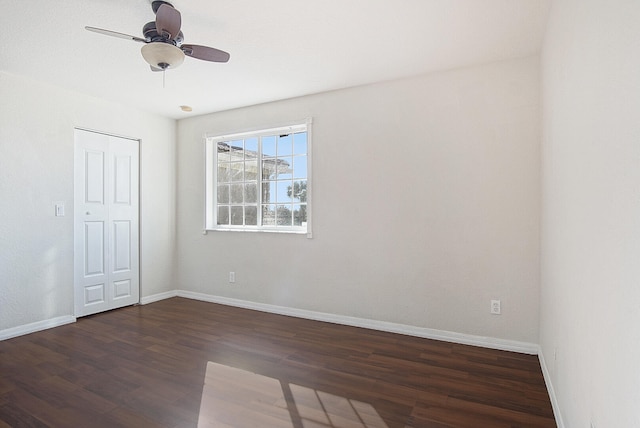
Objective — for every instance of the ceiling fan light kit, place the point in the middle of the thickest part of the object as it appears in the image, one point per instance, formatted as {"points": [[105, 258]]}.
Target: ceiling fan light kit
{"points": [[162, 55], [163, 48]]}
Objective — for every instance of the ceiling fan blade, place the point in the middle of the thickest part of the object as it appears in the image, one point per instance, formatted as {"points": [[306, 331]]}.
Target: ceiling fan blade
{"points": [[205, 53], [116, 34], [168, 21]]}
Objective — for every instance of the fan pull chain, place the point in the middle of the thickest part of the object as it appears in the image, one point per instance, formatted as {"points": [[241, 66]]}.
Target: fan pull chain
{"points": [[164, 72]]}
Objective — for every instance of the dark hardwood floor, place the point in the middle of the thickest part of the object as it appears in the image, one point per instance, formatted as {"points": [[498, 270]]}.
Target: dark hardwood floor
{"points": [[185, 363]]}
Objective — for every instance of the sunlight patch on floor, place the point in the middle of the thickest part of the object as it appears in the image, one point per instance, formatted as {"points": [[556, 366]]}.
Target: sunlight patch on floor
{"points": [[233, 397]]}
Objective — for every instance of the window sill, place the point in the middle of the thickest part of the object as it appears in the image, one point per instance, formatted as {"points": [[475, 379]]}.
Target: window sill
{"points": [[276, 231]]}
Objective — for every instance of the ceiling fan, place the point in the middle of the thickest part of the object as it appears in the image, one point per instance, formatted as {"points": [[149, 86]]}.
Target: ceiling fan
{"points": [[163, 47]]}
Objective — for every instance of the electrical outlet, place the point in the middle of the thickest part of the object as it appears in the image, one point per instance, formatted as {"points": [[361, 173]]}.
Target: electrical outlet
{"points": [[495, 307], [232, 277]]}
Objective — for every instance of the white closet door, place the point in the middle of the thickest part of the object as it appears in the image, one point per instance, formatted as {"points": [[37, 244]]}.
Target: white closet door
{"points": [[106, 238]]}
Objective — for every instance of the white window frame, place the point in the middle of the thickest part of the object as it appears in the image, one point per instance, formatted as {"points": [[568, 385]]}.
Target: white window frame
{"points": [[211, 163]]}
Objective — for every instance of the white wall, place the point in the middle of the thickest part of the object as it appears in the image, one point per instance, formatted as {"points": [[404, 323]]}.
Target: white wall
{"points": [[590, 275], [425, 205], [36, 169]]}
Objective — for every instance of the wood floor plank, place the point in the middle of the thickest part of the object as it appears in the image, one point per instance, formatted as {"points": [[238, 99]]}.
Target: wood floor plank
{"points": [[185, 363]]}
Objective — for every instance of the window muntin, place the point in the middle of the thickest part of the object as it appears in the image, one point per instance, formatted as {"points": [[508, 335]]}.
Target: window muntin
{"points": [[259, 180]]}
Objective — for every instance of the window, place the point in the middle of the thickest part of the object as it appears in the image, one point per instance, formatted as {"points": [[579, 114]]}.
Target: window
{"points": [[259, 181]]}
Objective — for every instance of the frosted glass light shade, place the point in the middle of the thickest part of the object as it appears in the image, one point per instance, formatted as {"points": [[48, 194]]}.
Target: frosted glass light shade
{"points": [[162, 55]]}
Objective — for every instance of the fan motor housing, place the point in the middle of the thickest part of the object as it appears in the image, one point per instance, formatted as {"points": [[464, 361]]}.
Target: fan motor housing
{"points": [[150, 33]]}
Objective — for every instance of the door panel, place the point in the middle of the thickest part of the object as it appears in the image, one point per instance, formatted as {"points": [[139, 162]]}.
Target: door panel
{"points": [[121, 246], [93, 294], [121, 289], [106, 222], [122, 180], [94, 248], [94, 180]]}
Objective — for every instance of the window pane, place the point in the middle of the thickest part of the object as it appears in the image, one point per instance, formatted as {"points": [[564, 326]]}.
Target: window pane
{"points": [[251, 215], [300, 167], [236, 215], [299, 214], [284, 167], [235, 146], [223, 215], [269, 146], [251, 170], [251, 193], [283, 215], [268, 169], [284, 191], [223, 194], [237, 191], [223, 172], [268, 215], [285, 145], [251, 148], [237, 171], [269, 191], [300, 143], [223, 152], [299, 191]]}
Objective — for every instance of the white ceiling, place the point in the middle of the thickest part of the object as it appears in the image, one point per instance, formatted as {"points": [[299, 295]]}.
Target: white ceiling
{"points": [[279, 48]]}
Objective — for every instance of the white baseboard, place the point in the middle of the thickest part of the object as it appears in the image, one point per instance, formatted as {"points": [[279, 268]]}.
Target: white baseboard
{"points": [[36, 326], [550, 390], [157, 297], [427, 333]]}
